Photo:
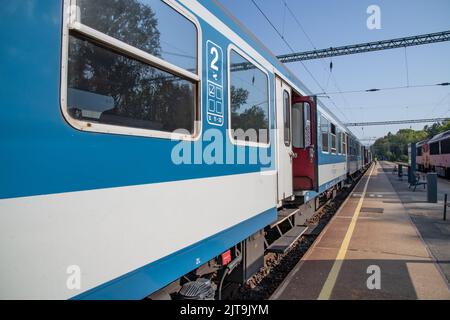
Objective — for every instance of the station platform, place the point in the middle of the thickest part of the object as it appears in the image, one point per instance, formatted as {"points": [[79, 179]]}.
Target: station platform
{"points": [[385, 242]]}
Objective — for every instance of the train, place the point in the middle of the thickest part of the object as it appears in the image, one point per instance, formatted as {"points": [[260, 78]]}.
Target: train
{"points": [[149, 144], [434, 154]]}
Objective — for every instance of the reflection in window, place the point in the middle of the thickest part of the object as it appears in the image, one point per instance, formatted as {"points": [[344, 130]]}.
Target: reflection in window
{"points": [[107, 87], [307, 116], [287, 118], [249, 102], [150, 25], [324, 128]]}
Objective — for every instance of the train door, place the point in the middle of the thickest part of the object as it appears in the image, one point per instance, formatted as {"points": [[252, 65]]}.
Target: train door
{"points": [[284, 144], [304, 143]]}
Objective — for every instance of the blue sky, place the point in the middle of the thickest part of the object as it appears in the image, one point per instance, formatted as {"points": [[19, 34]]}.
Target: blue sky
{"points": [[330, 23]]}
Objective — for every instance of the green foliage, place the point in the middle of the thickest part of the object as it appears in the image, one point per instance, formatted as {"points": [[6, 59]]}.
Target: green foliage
{"points": [[437, 128], [394, 147]]}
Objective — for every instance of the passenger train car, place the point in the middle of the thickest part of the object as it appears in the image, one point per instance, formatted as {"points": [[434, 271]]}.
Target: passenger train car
{"points": [[434, 154], [145, 140]]}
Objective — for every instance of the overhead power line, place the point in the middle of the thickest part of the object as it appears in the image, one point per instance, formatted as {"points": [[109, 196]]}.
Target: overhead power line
{"points": [[246, 66], [388, 88], [437, 105], [366, 47], [330, 75], [351, 49], [383, 123]]}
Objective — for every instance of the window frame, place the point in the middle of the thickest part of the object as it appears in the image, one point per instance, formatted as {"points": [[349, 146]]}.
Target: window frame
{"points": [[307, 107], [419, 151], [346, 143], [232, 47], [322, 133], [301, 109], [438, 143], [288, 114], [338, 141], [445, 146], [71, 25], [343, 143], [350, 145], [333, 138]]}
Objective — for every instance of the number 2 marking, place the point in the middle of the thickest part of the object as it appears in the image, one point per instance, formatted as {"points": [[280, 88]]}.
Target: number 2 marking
{"points": [[214, 52]]}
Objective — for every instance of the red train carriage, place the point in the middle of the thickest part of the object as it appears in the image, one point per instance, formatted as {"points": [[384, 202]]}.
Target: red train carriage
{"points": [[439, 147], [434, 154]]}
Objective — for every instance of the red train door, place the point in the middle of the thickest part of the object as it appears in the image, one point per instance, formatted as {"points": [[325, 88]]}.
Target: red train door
{"points": [[304, 143]]}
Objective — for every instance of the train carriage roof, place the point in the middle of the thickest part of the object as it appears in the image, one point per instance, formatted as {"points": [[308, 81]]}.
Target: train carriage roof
{"points": [[421, 143], [440, 136]]}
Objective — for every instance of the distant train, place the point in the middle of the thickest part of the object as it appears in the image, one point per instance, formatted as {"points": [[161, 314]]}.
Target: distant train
{"points": [[434, 154], [121, 136]]}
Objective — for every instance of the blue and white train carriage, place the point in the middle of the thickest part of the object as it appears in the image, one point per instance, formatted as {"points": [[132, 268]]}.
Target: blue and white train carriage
{"points": [[99, 197]]}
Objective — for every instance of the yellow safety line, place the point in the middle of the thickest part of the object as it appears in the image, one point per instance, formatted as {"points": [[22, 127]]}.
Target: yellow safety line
{"points": [[329, 284]]}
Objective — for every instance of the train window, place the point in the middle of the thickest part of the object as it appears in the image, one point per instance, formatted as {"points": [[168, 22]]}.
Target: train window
{"points": [[298, 125], [350, 146], [150, 25], [287, 117], [333, 137], [110, 88], [249, 107], [307, 123], [324, 129], [445, 146], [434, 148], [301, 125], [419, 151], [127, 67], [344, 142], [338, 141]]}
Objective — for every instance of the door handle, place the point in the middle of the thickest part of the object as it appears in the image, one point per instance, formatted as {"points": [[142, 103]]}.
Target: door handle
{"points": [[293, 154]]}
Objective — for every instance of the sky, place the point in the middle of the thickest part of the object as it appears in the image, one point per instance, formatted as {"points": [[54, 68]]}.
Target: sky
{"points": [[331, 23]]}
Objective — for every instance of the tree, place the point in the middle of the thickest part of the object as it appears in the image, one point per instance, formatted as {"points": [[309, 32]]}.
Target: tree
{"points": [[394, 147], [437, 128], [239, 97], [246, 116]]}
